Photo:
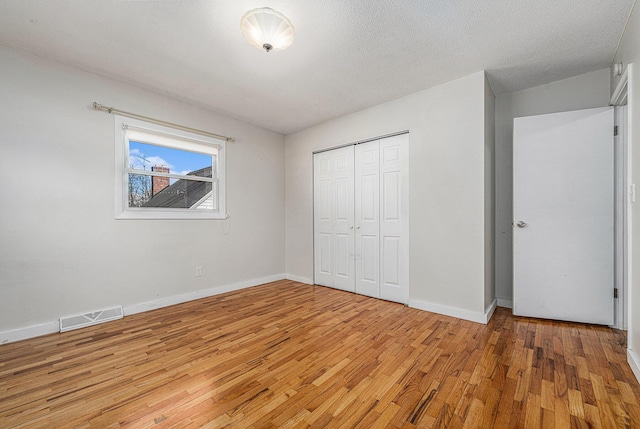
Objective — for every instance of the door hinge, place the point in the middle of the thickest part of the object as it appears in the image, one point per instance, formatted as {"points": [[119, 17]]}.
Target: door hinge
{"points": [[615, 130], [615, 292]]}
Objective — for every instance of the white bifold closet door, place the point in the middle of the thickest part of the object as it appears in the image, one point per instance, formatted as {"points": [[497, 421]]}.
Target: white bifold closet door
{"points": [[367, 216], [333, 219], [361, 218]]}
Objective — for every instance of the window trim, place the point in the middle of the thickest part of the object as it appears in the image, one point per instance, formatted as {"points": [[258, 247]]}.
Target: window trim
{"points": [[172, 138]]}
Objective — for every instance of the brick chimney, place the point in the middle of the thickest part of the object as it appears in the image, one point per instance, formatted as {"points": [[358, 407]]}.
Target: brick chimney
{"points": [[159, 183]]}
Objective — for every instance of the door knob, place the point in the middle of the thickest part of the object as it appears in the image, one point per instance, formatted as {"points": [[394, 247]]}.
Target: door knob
{"points": [[521, 224]]}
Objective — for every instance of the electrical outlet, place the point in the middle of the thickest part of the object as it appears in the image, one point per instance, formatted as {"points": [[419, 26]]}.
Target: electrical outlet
{"points": [[198, 271]]}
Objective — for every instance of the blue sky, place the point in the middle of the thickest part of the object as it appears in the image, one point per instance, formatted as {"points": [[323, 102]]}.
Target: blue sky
{"points": [[144, 156]]}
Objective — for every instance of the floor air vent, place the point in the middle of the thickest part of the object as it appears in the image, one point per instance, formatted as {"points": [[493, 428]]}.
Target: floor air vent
{"points": [[88, 319]]}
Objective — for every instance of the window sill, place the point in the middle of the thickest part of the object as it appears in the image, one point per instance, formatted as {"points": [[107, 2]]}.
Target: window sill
{"points": [[169, 214]]}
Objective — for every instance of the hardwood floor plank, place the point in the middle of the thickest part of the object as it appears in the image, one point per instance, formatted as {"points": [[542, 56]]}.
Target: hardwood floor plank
{"points": [[547, 397], [576, 406], [548, 419], [288, 355], [562, 417], [533, 411]]}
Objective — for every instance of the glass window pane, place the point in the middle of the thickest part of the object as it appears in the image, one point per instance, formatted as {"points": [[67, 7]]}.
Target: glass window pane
{"points": [[147, 191], [139, 190], [148, 157]]}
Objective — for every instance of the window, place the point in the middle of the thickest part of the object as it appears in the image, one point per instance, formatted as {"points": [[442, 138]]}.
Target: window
{"points": [[165, 173]]}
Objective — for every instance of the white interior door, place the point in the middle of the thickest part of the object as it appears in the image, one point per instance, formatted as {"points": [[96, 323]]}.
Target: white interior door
{"points": [[394, 219], [367, 216], [334, 218], [563, 205]]}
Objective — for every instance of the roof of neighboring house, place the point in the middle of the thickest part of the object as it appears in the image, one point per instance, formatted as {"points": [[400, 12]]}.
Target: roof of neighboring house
{"points": [[183, 193]]}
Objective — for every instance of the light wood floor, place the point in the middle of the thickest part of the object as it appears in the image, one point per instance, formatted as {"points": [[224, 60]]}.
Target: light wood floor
{"points": [[288, 355]]}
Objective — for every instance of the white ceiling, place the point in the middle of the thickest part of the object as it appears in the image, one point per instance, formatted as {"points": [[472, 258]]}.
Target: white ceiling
{"points": [[347, 54]]}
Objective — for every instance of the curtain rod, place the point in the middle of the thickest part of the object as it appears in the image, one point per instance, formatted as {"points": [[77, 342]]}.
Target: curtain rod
{"points": [[98, 106]]}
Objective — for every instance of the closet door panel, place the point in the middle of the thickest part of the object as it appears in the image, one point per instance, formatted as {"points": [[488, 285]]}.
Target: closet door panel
{"points": [[367, 218], [369, 268], [391, 196], [322, 219], [391, 258], [343, 230], [343, 199], [394, 201], [323, 259], [342, 249], [334, 219]]}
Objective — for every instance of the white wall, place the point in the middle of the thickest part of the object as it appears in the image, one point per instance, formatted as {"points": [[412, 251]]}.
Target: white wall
{"points": [[62, 252], [580, 92], [629, 53], [447, 192]]}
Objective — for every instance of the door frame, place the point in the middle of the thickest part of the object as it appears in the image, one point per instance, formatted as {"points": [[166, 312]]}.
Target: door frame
{"points": [[625, 190]]}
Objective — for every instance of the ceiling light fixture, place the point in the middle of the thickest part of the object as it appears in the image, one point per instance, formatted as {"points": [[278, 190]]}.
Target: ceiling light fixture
{"points": [[267, 29]]}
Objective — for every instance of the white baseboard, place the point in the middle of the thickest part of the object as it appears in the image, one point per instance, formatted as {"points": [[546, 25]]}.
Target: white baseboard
{"points": [[52, 327], [488, 312], [634, 363], [29, 332], [192, 296], [460, 313], [506, 303], [300, 279]]}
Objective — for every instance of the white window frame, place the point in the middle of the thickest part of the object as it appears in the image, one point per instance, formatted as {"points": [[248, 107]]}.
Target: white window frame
{"points": [[133, 129]]}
